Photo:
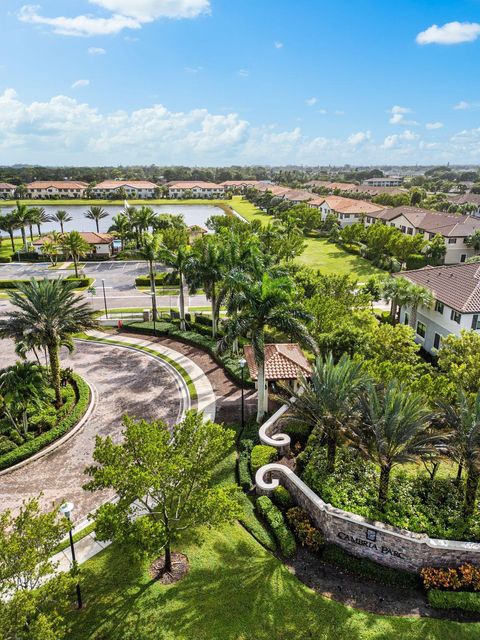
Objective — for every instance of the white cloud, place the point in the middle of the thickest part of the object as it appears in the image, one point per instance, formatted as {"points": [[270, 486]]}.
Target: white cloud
{"points": [[193, 70], [278, 45], [311, 101], [463, 105], [243, 73], [434, 125], [80, 83], [398, 116], [126, 14], [96, 51], [359, 137], [64, 130], [450, 33]]}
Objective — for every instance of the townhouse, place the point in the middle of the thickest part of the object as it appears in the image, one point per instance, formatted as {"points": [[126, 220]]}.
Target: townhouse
{"points": [[455, 229], [347, 210], [100, 244], [195, 189], [456, 290], [7, 190], [388, 181], [472, 199], [56, 189], [140, 189], [239, 185]]}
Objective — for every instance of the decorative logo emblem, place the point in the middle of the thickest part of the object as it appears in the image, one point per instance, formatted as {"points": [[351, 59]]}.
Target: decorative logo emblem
{"points": [[371, 535]]}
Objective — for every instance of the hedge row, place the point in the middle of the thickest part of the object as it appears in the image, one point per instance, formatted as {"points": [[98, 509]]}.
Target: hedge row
{"points": [[307, 534], [262, 454], [369, 569], [465, 600], [230, 364], [30, 448], [79, 283], [244, 475], [5, 260], [164, 278], [274, 518]]}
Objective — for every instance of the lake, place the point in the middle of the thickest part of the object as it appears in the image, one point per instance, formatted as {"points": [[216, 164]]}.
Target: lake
{"points": [[192, 214]]}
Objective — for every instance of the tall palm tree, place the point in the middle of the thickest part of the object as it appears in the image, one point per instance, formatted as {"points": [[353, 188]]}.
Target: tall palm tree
{"points": [[23, 387], [51, 250], [75, 248], [49, 313], [396, 290], [41, 217], [150, 251], [205, 269], [22, 217], [96, 213], [394, 429], [121, 227], [415, 297], [61, 217], [178, 260], [268, 302], [463, 420], [9, 223], [327, 401], [144, 220]]}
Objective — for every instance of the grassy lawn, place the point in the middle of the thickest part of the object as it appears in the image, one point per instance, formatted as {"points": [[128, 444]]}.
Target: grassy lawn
{"points": [[6, 246], [319, 253], [235, 590]]}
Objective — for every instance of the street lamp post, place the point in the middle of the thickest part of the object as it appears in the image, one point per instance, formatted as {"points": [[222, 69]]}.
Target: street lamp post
{"points": [[242, 362], [154, 309], [105, 299], [66, 509]]}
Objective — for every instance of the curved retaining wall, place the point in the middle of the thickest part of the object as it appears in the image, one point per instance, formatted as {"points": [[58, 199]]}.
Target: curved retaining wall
{"points": [[359, 536]]}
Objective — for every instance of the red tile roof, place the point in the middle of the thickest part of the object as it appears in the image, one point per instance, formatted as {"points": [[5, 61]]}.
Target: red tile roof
{"points": [[190, 184], [57, 184], [457, 286], [89, 236], [116, 184], [239, 183], [282, 362], [447, 224], [348, 205], [6, 185]]}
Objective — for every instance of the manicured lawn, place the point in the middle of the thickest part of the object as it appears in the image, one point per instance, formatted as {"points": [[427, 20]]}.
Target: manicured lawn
{"points": [[6, 246], [235, 590], [319, 253]]}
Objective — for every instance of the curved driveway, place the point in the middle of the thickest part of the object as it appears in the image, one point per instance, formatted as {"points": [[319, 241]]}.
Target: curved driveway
{"points": [[126, 381]]}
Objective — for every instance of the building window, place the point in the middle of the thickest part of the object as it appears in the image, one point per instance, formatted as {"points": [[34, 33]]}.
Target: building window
{"points": [[410, 231], [421, 329], [463, 257], [437, 338], [452, 241], [455, 316], [403, 228], [439, 307], [475, 322]]}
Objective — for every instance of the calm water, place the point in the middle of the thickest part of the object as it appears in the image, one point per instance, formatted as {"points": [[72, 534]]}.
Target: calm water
{"points": [[192, 214]]}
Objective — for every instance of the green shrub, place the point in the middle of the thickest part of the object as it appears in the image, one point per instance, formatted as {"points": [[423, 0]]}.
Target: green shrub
{"points": [[282, 498], [244, 476], [253, 525], [465, 600], [262, 454], [166, 278], [416, 261], [30, 448], [298, 432], [5, 259], [307, 534], [368, 569], [274, 518], [464, 578]]}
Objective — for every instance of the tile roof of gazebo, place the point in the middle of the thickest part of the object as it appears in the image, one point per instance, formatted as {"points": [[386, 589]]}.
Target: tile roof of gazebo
{"points": [[282, 362]]}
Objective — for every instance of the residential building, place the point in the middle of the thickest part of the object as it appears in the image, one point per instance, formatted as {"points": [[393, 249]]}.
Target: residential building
{"points": [[298, 196], [455, 229], [101, 244], [7, 190], [56, 189], [456, 290], [388, 181], [472, 199], [195, 189], [239, 185], [141, 189], [347, 210]]}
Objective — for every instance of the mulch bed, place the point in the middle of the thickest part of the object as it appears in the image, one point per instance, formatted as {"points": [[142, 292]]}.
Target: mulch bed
{"points": [[179, 570]]}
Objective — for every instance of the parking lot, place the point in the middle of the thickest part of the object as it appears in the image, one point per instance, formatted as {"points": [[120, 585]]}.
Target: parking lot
{"points": [[118, 279]]}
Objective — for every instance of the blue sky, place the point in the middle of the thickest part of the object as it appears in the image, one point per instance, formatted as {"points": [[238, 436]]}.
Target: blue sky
{"points": [[212, 82]]}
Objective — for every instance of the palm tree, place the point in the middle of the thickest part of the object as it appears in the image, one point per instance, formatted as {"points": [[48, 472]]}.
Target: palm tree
{"points": [[49, 313], [396, 290], [61, 217], [150, 252], [144, 219], [23, 387], [22, 217], [394, 429], [121, 228], [417, 296], [97, 214], [51, 250], [205, 269], [9, 223], [463, 420], [75, 247], [268, 302], [41, 217], [178, 260], [326, 401]]}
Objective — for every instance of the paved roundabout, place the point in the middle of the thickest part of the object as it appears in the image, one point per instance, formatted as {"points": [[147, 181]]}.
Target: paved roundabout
{"points": [[125, 380]]}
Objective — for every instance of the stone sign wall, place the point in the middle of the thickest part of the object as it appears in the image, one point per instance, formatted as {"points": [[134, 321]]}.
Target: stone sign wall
{"points": [[374, 540]]}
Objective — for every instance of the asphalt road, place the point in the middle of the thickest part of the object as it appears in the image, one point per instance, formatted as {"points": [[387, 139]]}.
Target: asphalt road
{"points": [[118, 279]]}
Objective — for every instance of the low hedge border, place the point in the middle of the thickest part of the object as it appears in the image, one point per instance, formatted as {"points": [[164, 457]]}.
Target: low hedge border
{"points": [[193, 339], [192, 390], [28, 449], [464, 600], [365, 568], [81, 283], [276, 522]]}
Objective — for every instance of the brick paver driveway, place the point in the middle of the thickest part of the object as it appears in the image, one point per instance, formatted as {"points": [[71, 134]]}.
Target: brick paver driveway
{"points": [[126, 381]]}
